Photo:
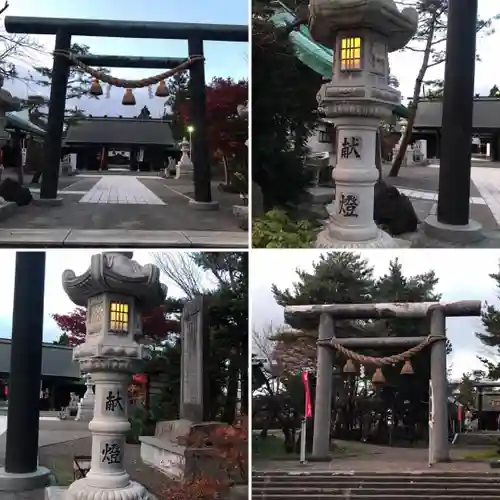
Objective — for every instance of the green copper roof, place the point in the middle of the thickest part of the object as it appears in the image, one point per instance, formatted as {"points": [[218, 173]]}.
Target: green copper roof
{"points": [[312, 54]]}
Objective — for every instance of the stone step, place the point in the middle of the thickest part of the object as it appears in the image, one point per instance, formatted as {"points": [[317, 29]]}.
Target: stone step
{"points": [[379, 496], [421, 492], [372, 484], [493, 477]]}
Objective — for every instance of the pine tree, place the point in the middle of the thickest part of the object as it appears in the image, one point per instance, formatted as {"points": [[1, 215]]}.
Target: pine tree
{"points": [[490, 318]]}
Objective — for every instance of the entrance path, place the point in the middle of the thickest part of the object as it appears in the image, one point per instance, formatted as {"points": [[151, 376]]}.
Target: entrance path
{"points": [[117, 210], [121, 189], [487, 181], [373, 458]]}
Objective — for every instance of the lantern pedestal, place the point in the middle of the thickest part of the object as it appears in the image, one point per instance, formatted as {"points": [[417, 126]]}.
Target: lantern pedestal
{"points": [[357, 99], [114, 289]]}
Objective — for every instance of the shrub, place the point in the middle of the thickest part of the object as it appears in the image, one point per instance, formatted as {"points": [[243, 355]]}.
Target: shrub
{"points": [[228, 445], [277, 230]]}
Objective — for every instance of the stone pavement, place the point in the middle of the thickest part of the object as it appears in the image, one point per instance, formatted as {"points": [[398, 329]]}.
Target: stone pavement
{"points": [[421, 185], [125, 210]]}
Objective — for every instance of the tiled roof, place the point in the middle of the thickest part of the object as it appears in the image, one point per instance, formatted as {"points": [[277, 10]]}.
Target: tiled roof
{"points": [[120, 131], [486, 114]]}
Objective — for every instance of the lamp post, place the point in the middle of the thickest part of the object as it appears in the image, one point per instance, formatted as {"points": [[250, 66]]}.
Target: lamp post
{"points": [[190, 130]]}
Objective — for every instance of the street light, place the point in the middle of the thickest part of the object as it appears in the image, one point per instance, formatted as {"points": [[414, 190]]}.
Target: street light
{"points": [[190, 130]]}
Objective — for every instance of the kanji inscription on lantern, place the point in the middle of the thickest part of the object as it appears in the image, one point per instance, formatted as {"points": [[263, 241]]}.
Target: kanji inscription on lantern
{"points": [[111, 453], [113, 401], [351, 146], [348, 205]]}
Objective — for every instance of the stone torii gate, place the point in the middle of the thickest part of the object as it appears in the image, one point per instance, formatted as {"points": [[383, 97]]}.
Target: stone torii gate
{"points": [[324, 317], [64, 29]]}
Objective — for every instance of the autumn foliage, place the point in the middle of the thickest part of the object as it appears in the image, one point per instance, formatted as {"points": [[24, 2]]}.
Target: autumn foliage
{"points": [[227, 132], [229, 446]]}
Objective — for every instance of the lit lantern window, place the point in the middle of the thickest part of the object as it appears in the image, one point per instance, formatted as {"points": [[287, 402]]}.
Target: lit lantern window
{"points": [[118, 317], [350, 53]]}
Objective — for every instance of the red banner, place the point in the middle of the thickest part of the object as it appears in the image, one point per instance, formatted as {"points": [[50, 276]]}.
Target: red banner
{"points": [[460, 415], [308, 407]]}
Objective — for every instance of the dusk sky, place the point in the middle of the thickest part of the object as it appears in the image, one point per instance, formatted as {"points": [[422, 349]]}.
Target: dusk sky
{"points": [[223, 59], [56, 300]]}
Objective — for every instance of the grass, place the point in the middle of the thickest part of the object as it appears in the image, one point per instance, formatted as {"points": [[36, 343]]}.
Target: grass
{"points": [[272, 448], [482, 455], [62, 469]]}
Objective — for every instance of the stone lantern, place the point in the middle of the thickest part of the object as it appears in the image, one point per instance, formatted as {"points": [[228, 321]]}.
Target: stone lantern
{"points": [[115, 289], [357, 99], [185, 165]]}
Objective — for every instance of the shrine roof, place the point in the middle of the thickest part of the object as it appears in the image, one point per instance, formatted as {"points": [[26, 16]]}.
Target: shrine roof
{"points": [[120, 131], [57, 360], [486, 114]]}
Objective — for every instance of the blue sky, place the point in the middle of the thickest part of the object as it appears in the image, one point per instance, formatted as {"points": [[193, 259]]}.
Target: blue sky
{"points": [[223, 59]]}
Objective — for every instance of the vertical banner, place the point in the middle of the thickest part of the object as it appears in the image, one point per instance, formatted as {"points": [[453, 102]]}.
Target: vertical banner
{"points": [[101, 163], [308, 407]]}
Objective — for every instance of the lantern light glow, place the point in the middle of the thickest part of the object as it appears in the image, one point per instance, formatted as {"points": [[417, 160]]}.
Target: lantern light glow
{"points": [[350, 53], [118, 316]]}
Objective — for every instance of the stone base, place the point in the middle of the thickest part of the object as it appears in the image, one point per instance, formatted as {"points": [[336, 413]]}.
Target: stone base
{"points": [[205, 206], [47, 202], [470, 233], [24, 482], [383, 240], [81, 490], [7, 208], [84, 415]]}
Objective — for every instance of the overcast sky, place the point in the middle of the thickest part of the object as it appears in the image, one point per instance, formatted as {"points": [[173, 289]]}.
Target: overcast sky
{"points": [[463, 275], [56, 300], [406, 64], [223, 59]]}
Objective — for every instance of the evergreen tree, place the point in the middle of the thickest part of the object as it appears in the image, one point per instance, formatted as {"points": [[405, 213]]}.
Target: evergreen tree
{"points": [[490, 318], [284, 110], [345, 277]]}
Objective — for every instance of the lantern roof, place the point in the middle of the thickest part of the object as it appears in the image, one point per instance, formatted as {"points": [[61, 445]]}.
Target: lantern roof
{"points": [[116, 272], [327, 17]]}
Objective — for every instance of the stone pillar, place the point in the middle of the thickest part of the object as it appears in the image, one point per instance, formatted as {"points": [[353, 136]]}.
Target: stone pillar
{"points": [[55, 122], [452, 221], [439, 445], [323, 401], [115, 289], [21, 470], [357, 99]]}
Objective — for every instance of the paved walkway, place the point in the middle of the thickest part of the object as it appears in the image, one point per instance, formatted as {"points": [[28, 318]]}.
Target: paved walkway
{"points": [[487, 181], [123, 189], [125, 211]]}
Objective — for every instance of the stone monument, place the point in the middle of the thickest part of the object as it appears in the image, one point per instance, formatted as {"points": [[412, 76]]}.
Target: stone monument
{"points": [[86, 405], [185, 166], [357, 99], [164, 451], [115, 289]]}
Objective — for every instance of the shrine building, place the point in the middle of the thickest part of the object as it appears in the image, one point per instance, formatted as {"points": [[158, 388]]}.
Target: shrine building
{"points": [[147, 143], [485, 123]]}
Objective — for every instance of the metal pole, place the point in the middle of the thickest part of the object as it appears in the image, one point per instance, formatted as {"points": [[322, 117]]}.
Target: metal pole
{"points": [[21, 455], [303, 431]]}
